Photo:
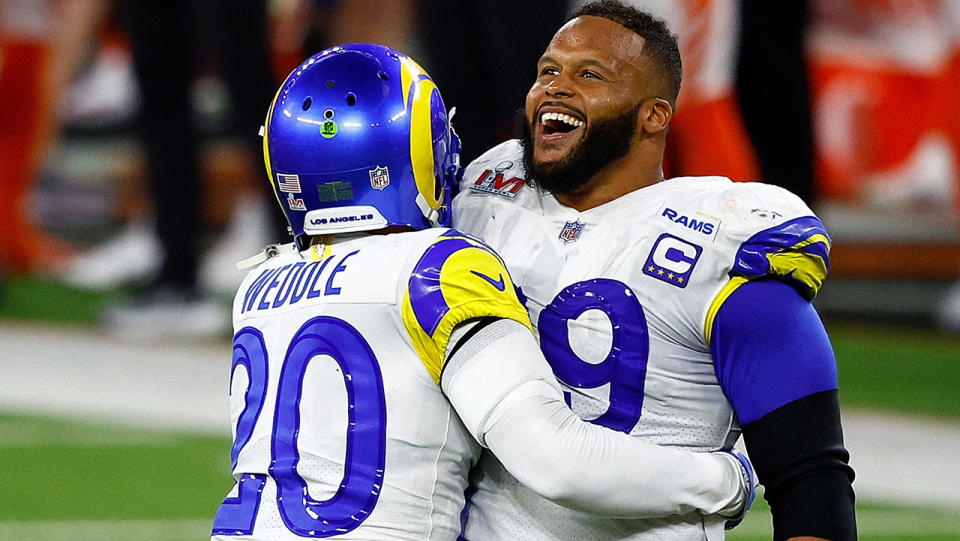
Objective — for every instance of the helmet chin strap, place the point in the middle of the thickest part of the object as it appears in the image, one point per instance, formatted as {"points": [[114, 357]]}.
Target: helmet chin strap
{"points": [[432, 215], [265, 254], [455, 145]]}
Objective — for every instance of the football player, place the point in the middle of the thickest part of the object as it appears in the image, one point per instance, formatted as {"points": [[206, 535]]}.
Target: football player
{"points": [[377, 354], [677, 311]]}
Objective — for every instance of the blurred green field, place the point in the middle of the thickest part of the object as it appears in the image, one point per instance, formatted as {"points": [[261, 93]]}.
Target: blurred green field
{"points": [[907, 370], [70, 470], [874, 521], [80, 480], [84, 481], [36, 299]]}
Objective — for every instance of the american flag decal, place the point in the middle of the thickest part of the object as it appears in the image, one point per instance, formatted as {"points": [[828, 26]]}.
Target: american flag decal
{"points": [[288, 183]]}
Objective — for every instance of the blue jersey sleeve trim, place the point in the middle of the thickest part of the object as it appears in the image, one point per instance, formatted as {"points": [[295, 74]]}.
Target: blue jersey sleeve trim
{"points": [[770, 348]]}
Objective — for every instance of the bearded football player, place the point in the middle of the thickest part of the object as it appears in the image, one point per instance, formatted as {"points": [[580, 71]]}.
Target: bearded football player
{"points": [[677, 311]]}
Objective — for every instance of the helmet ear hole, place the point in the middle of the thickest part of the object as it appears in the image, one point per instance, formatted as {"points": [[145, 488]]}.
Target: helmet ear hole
{"points": [[351, 99], [383, 75], [307, 102], [328, 114]]}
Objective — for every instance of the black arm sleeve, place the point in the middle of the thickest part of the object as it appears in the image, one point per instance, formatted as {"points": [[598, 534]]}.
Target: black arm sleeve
{"points": [[797, 450]]}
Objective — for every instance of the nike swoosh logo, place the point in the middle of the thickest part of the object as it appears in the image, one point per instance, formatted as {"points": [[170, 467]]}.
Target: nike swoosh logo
{"points": [[496, 283]]}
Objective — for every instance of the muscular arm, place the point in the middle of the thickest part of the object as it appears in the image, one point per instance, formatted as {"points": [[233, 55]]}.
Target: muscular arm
{"points": [[508, 398], [775, 363]]}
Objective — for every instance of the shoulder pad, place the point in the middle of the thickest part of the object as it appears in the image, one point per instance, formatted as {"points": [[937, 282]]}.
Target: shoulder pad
{"points": [[756, 204], [457, 278], [774, 232], [796, 252]]}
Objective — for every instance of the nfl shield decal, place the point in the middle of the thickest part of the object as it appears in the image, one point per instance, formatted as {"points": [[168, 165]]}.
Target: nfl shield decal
{"points": [[571, 231], [379, 178], [672, 260]]}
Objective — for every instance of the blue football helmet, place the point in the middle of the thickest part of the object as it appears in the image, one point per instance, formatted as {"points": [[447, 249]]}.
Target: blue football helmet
{"points": [[358, 138]]}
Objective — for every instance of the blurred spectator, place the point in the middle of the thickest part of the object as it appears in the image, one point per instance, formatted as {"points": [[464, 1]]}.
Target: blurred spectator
{"points": [[175, 303], [39, 52], [164, 42]]}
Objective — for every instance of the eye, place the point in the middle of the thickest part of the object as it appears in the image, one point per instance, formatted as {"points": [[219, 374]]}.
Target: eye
{"points": [[549, 70], [591, 75]]}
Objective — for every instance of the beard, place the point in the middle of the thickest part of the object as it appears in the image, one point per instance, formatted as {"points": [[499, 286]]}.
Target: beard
{"points": [[606, 140]]}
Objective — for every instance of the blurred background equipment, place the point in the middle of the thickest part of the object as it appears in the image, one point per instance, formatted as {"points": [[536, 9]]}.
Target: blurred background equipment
{"points": [[832, 100], [851, 104]]}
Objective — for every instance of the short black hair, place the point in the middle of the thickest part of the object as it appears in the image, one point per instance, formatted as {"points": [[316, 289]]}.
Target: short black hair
{"points": [[659, 44]]}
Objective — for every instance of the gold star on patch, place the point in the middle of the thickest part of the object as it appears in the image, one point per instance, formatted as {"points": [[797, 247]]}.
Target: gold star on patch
{"points": [[670, 276], [659, 272], [680, 279], [650, 268]]}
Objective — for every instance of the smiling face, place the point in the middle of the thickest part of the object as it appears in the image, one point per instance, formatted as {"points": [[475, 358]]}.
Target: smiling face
{"points": [[582, 111]]}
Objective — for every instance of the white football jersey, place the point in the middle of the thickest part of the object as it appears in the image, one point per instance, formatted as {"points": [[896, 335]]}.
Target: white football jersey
{"points": [[340, 426], [622, 297]]}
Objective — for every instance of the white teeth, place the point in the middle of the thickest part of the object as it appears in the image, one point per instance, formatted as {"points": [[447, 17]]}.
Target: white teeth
{"points": [[560, 117]]}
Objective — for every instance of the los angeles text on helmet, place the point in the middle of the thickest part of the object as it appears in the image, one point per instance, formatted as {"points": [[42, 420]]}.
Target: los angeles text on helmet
{"points": [[343, 219], [340, 219]]}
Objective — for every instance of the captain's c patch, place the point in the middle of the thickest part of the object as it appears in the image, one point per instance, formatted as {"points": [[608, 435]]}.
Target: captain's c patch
{"points": [[672, 260]]}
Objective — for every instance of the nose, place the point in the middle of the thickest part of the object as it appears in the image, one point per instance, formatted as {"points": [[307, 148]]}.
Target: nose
{"points": [[559, 86]]}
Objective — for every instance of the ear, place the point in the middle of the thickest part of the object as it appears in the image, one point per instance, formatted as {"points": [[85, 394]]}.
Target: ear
{"points": [[655, 115]]}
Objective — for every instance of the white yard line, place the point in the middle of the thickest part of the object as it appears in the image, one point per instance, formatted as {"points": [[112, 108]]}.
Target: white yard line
{"points": [[903, 459], [898, 459], [75, 372]]}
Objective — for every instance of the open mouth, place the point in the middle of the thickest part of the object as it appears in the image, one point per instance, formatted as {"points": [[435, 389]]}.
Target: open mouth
{"points": [[556, 123]]}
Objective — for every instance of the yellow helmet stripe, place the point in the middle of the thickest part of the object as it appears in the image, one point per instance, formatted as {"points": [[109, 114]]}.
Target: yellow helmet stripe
{"points": [[410, 72], [414, 78], [266, 147], [421, 143]]}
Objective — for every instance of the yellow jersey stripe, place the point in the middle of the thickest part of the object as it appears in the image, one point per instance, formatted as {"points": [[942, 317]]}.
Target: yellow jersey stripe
{"points": [[725, 292]]}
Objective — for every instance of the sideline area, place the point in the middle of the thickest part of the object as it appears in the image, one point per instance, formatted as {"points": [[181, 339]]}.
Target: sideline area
{"points": [[76, 373]]}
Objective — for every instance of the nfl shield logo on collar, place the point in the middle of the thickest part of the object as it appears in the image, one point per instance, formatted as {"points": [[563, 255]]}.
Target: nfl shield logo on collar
{"points": [[571, 231], [379, 178]]}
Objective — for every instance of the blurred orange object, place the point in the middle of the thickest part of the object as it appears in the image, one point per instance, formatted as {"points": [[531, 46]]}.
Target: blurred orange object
{"points": [[707, 135], [708, 138], [23, 108], [41, 44], [884, 76]]}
